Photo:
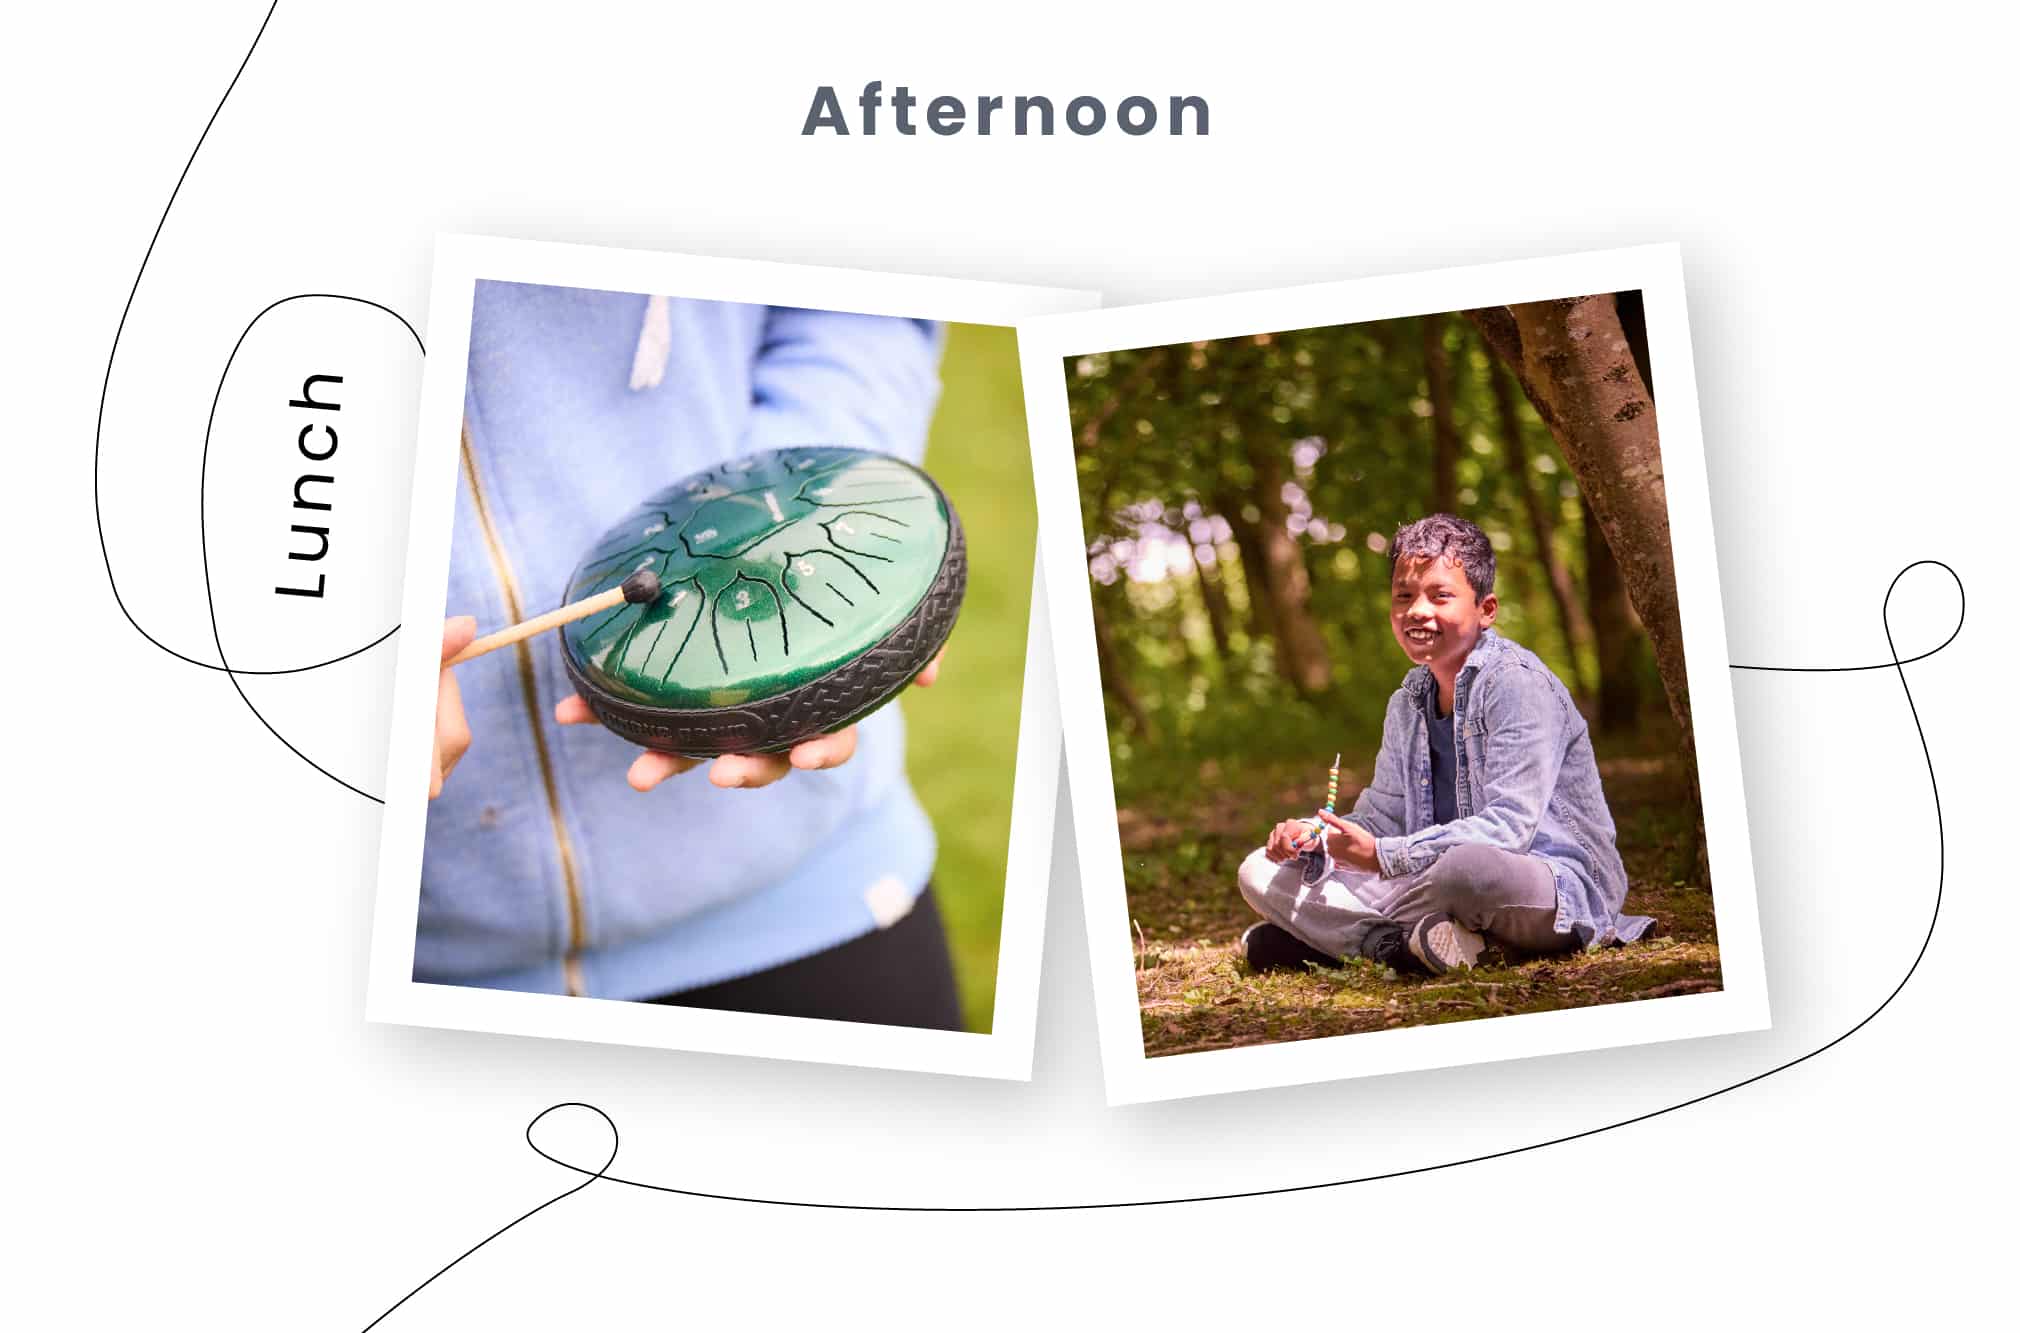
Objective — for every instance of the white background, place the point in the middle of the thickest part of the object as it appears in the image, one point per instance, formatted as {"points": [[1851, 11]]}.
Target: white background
{"points": [[204, 1130]]}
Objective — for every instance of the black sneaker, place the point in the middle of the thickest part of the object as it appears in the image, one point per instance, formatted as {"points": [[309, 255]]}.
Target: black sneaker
{"points": [[1442, 945], [1388, 945], [1271, 948]]}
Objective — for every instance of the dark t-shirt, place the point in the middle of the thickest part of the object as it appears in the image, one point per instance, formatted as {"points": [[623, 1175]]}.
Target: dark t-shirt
{"points": [[1444, 761]]}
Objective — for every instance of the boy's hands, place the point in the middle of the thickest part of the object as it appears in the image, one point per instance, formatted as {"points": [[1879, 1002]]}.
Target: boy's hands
{"points": [[737, 770], [452, 728], [1284, 839], [1350, 844]]}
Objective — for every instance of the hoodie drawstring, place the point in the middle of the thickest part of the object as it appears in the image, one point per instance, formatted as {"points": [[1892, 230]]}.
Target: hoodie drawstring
{"points": [[655, 344]]}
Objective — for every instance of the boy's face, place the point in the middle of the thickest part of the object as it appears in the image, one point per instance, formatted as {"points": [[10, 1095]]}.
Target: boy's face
{"points": [[1434, 613]]}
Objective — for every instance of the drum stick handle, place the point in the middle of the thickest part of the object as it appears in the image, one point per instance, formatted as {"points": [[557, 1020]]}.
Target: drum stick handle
{"points": [[526, 629]]}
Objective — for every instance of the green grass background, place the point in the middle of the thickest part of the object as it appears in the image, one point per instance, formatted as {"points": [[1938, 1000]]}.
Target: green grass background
{"points": [[961, 747]]}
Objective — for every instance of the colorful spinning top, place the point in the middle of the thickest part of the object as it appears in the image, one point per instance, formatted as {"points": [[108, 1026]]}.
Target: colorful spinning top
{"points": [[1332, 795]]}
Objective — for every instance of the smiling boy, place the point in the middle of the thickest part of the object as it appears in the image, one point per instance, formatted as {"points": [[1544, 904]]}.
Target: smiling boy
{"points": [[1485, 817]]}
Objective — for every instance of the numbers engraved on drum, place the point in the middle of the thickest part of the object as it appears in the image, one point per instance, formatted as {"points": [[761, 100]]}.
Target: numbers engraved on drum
{"points": [[803, 567], [743, 599], [706, 535], [654, 529]]}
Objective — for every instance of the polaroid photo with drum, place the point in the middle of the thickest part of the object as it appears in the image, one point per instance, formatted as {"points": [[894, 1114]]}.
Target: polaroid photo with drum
{"points": [[1393, 674], [724, 716]]}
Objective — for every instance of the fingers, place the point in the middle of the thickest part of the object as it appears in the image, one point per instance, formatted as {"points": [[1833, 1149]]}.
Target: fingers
{"points": [[932, 671], [652, 768], [457, 632], [452, 732], [573, 711], [761, 770], [746, 770], [749, 770], [1283, 840], [1333, 819], [828, 751], [729, 770], [452, 729]]}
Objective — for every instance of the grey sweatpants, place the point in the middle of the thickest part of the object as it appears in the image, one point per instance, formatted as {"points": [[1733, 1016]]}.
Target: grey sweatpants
{"points": [[1507, 895]]}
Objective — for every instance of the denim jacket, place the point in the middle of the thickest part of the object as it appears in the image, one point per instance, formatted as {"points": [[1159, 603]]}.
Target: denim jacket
{"points": [[1527, 782]]}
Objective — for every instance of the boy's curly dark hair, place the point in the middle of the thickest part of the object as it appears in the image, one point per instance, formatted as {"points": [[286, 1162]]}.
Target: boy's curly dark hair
{"points": [[1444, 535]]}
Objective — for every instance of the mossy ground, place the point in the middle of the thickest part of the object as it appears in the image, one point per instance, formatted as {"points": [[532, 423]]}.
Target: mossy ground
{"points": [[1185, 834]]}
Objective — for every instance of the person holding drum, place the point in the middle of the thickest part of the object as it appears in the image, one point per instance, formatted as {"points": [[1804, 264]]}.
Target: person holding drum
{"points": [[562, 858]]}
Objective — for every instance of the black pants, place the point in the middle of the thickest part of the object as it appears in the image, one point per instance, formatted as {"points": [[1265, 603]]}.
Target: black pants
{"points": [[900, 976]]}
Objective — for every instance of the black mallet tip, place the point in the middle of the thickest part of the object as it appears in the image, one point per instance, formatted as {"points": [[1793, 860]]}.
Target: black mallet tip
{"points": [[642, 588]]}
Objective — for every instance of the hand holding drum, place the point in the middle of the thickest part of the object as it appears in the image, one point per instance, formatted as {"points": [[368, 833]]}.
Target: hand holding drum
{"points": [[761, 608]]}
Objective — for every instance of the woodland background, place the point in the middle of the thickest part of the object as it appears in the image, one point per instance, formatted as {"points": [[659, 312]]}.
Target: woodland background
{"points": [[1238, 497]]}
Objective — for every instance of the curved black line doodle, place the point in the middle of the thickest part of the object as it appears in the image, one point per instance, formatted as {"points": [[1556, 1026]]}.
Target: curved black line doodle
{"points": [[603, 1172], [523, 1216], [98, 449], [105, 385], [203, 538], [203, 486]]}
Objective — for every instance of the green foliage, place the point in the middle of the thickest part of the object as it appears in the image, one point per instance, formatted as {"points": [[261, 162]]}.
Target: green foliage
{"points": [[1189, 455], [961, 735]]}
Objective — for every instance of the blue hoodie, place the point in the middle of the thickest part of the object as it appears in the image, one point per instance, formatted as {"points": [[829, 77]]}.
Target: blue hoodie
{"points": [[544, 870]]}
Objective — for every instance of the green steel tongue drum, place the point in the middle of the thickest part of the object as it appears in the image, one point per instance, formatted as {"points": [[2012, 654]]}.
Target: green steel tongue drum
{"points": [[799, 590]]}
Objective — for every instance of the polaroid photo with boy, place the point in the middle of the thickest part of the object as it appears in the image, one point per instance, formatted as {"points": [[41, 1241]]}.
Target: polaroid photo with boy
{"points": [[1393, 674], [777, 778]]}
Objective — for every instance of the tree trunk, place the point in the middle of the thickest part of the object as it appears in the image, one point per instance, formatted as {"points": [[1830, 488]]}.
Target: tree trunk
{"points": [[1115, 684], [1444, 435], [1301, 649], [1634, 323], [1576, 356], [1619, 707], [1577, 359], [1570, 615], [1181, 642], [1218, 612], [1261, 614]]}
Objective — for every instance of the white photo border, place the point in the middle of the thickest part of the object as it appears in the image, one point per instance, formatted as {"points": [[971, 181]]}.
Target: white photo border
{"points": [[392, 995], [1741, 1005]]}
